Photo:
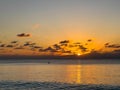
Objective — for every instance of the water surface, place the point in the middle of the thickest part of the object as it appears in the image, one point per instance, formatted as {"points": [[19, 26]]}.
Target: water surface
{"points": [[65, 71]]}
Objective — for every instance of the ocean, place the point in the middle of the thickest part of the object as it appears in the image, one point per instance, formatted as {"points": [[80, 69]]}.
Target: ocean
{"points": [[59, 74]]}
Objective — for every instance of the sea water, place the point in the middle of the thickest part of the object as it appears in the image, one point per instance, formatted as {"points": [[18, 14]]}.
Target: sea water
{"points": [[18, 73]]}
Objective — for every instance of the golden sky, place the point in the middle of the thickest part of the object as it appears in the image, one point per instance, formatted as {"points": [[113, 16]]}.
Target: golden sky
{"points": [[47, 22]]}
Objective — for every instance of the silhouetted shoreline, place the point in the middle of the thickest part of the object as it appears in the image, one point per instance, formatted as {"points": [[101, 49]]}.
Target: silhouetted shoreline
{"points": [[86, 56]]}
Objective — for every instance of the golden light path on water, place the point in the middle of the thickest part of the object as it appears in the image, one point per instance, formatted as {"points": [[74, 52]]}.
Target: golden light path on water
{"points": [[66, 73], [74, 73]]}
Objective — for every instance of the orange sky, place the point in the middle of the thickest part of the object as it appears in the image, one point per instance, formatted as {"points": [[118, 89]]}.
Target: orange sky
{"points": [[49, 22]]}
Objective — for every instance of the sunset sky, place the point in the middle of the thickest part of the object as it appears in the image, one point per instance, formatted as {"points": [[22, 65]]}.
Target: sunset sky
{"points": [[47, 22]]}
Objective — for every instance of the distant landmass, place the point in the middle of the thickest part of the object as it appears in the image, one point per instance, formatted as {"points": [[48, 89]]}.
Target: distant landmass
{"points": [[93, 55]]}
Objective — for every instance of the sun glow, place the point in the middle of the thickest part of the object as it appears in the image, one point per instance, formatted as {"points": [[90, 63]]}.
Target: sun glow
{"points": [[78, 54]]}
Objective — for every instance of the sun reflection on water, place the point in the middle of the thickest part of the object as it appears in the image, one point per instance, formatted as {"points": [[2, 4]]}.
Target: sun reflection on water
{"points": [[74, 73]]}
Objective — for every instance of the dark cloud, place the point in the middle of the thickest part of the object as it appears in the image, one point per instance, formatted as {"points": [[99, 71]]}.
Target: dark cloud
{"points": [[50, 49], [37, 47], [65, 47], [82, 48], [89, 40], [29, 44], [107, 45], [71, 46], [23, 35], [77, 43], [41, 50], [68, 51], [57, 47], [65, 41], [14, 41], [2, 45], [10, 46], [20, 47], [117, 51], [98, 55], [64, 44]]}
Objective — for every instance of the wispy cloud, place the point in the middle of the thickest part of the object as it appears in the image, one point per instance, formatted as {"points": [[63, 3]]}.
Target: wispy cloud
{"points": [[36, 26]]}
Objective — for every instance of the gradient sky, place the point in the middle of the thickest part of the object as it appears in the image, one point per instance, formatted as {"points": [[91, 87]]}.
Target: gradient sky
{"points": [[50, 21]]}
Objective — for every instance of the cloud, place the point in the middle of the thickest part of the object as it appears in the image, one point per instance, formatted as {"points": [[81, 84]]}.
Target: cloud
{"points": [[98, 55], [36, 26], [56, 46], [23, 35], [29, 44], [14, 41], [117, 51], [64, 42], [41, 50], [2, 45], [63, 51], [20, 47], [10, 46], [89, 40], [50, 49], [37, 47], [77, 43], [107, 45], [82, 48]]}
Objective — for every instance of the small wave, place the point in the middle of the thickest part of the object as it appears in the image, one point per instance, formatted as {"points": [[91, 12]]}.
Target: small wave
{"points": [[20, 85]]}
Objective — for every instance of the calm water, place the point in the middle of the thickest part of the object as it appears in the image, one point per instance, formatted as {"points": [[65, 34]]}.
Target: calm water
{"points": [[66, 71]]}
